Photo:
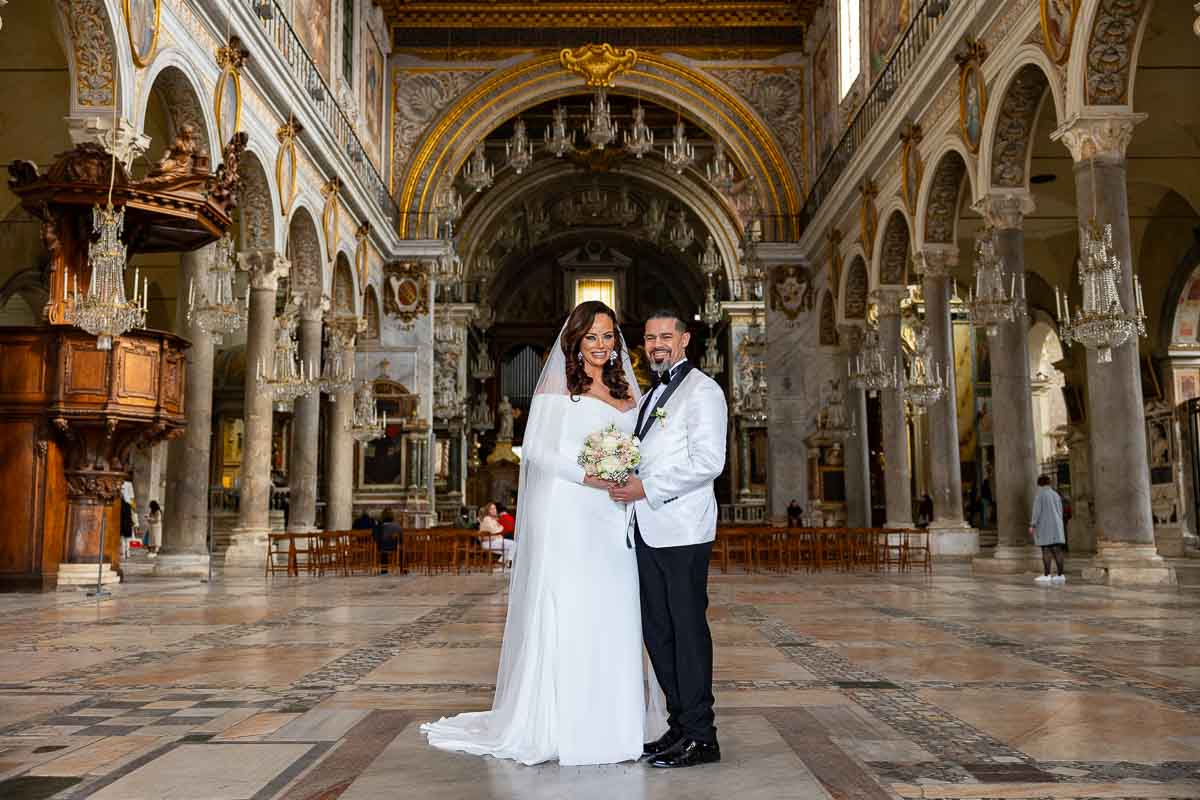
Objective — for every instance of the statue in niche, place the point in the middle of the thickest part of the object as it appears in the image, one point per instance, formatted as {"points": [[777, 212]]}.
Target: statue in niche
{"points": [[505, 423], [182, 156]]}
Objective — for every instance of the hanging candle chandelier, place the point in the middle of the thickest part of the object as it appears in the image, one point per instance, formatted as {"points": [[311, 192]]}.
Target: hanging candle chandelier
{"points": [[337, 371], [366, 424], [752, 265], [104, 311], [287, 377], [870, 370], [639, 139], [599, 128], [679, 153], [710, 262], [448, 268], [720, 170], [923, 383], [519, 149], [990, 303], [560, 140], [447, 203], [681, 232], [1101, 323], [214, 308], [712, 312], [478, 172]]}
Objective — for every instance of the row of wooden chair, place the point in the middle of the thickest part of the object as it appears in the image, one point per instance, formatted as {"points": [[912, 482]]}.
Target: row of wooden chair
{"points": [[761, 548], [436, 550], [322, 553]]}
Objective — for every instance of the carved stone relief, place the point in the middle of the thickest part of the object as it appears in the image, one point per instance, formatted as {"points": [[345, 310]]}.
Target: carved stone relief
{"points": [[1110, 51], [178, 96], [944, 192], [777, 95], [894, 258], [95, 73], [857, 284], [1015, 127], [827, 335], [792, 292], [420, 95], [255, 203], [304, 250]]}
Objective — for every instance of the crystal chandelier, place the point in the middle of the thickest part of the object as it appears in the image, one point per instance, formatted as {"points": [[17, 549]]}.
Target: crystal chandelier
{"points": [[337, 372], [681, 233], [103, 311], [923, 384], [626, 211], [365, 424], [720, 170], [710, 262], [447, 204], [594, 200], [287, 377], [712, 313], [990, 303], [484, 368], [639, 139], [481, 417], [752, 266], [216, 310], [599, 128], [559, 139], [478, 173], [870, 370], [679, 154], [713, 362], [519, 149], [1101, 323], [448, 267]]}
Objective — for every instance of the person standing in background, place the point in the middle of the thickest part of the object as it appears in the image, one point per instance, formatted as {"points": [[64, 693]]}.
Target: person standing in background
{"points": [[154, 522], [1046, 527]]}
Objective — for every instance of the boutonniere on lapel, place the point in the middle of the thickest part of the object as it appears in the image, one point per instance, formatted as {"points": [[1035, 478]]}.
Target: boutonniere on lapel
{"points": [[660, 414]]}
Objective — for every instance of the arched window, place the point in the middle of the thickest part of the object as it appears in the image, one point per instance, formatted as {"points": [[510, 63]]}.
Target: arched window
{"points": [[849, 45]]}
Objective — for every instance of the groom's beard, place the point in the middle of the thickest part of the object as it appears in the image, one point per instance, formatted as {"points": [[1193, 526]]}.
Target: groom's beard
{"points": [[660, 362]]}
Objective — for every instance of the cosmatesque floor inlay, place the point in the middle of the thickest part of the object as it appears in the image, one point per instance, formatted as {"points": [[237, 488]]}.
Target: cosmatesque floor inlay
{"points": [[859, 686]]}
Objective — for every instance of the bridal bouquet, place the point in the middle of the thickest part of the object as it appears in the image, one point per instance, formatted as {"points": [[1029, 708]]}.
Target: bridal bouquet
{"points": [[610, 455]]}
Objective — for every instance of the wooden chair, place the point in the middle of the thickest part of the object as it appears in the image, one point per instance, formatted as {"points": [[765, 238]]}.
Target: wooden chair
{"points": [[916, 550], [280, 545], [768, 545], [731, 542], [306, 548]]}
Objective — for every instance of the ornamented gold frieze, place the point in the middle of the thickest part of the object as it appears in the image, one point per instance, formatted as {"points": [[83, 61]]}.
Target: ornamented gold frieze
{"points": [[598, 63], [599, 13]]}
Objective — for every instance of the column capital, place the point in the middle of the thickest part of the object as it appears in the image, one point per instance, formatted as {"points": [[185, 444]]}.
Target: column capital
{"points": [[888, 299], [1006, 210], [121, 138], [1098, 135], [312, 306], [936, 260], [264, 267], [343, 328]]}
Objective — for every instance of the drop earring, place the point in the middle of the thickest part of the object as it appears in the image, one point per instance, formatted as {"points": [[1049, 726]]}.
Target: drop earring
{"points": [[579, 357], [612, 357]]}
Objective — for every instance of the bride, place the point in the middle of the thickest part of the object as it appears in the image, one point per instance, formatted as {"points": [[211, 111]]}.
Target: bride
{"points": [[570, 686]]}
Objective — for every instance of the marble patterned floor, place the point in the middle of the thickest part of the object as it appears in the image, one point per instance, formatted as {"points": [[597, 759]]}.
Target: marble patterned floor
{"points": [[856, 687]]}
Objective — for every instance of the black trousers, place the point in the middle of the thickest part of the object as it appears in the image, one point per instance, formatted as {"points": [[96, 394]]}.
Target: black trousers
{"points": [[674, 588]]}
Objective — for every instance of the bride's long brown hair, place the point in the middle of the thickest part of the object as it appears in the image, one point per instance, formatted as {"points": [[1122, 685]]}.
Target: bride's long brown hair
{"points": [[578, 324]]}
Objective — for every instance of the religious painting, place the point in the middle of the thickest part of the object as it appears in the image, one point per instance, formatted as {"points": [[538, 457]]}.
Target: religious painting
{"points": [[1158, 440], [311, 21], [972, 103], [405, 291], [1058, 27], [286, 164], [868, 217], [228, 103], [1187, 315], [372, 93], [331, 216], [824, 108], [1187, 385], [889, 19], [141, 22], [791, 291]]}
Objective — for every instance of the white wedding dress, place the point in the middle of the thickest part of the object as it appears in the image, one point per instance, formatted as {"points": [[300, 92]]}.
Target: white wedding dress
{"points": [[572, 683]]}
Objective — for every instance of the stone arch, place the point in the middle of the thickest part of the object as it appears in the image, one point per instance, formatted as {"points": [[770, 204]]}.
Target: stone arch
{"points": [[941, 197], [342, 293], [827, 335], [98, 56], [506, 93], [304, 250], [257, 205], [371, 313], [892, 250], [1008, 130], [498, 203], [856, 287], [177, 86], [1108, 36]]}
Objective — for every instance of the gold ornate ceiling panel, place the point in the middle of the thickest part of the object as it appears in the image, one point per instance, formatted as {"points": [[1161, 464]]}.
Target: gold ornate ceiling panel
{"points": [[618, 14]]}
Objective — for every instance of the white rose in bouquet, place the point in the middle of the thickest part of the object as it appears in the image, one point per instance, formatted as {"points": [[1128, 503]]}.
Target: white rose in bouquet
{"points": [[609, 454]]}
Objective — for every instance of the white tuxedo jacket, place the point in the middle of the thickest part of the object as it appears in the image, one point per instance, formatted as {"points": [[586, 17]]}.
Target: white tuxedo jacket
{"points": [[682, 454]]}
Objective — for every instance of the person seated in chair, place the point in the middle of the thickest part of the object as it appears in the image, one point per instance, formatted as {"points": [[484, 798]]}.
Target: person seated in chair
{"points": [[507, 522], [491, 533], [390, 535]]}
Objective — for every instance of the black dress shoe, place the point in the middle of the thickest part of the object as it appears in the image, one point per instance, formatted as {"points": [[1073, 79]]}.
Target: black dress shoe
{"points": [[662, 743], [687, 753]]}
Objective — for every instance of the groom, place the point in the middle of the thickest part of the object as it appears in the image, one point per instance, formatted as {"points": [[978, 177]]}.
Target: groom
{"points": [[682, 427]]}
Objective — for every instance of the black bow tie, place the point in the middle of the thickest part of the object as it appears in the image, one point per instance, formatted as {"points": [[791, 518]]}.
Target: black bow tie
{"points": [[662, 378]]}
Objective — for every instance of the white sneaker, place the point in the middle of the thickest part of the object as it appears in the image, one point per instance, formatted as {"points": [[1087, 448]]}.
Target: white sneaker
{"points": [[1042, 579], [1059, 579]]}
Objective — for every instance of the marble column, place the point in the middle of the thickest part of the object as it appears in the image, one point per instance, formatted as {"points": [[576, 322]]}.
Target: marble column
{"points": [[247, 547], [951, 535], [897, 471], [339, 461], [184, 551], [1014, 478], [743, 461], [857, 447], [306, 425], [1120, 468]]}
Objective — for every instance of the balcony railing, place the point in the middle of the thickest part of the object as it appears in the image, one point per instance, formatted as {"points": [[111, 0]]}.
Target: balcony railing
{"points": [[904, 60], [275, 23]]}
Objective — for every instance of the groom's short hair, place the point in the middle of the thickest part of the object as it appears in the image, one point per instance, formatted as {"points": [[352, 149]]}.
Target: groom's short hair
{"points": [[667, 313]]}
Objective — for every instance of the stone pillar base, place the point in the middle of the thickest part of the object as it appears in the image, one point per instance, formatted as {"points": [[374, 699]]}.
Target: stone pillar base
{"points": [[247, 549], [1008, 560], [83, 576], [953, 541], [1169, 542], [181, 565], [1129, 564]]}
